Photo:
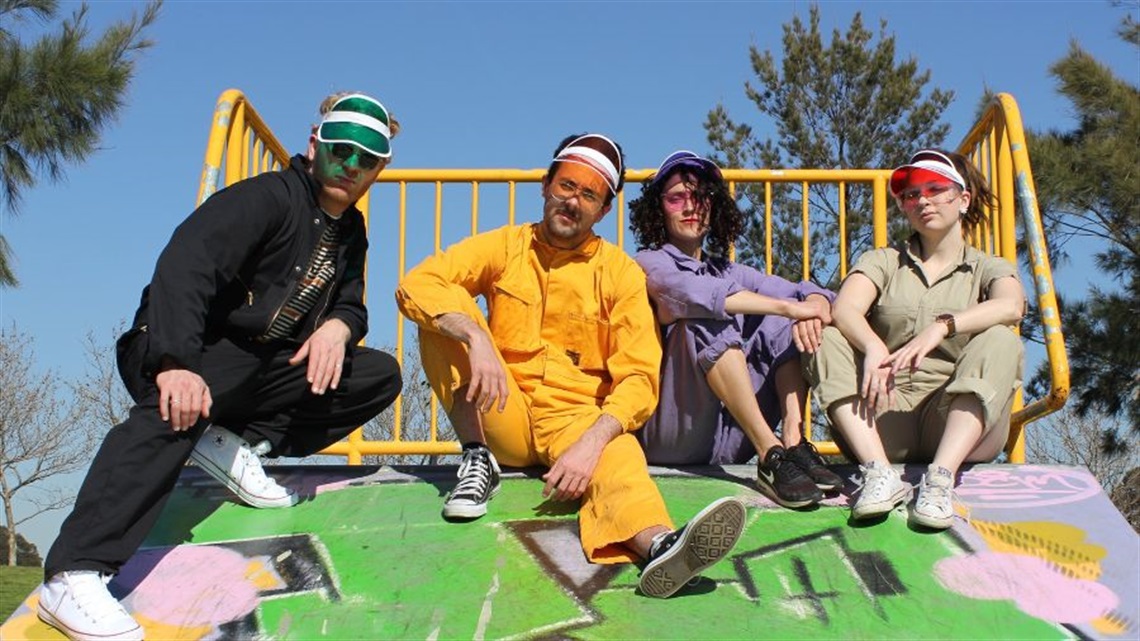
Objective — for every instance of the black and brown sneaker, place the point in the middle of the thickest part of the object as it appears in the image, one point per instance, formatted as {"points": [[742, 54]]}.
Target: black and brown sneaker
{"points": [[807, 458], [780, 479]]}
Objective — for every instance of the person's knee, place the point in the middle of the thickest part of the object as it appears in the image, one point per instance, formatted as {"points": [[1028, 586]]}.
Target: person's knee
{"points": [[377, 375], [833, 339], [995, 354], [724, 357], [832, 365], [1000, 340]]}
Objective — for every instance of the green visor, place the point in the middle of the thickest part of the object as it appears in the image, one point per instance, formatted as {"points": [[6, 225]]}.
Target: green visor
{"points": [[359, 120]]}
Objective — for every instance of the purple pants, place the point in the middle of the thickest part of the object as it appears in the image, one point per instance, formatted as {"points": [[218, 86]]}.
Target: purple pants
{"points": [[691, 426]]}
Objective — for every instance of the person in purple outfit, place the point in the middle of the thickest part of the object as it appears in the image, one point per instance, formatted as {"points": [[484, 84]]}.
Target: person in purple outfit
{"points": [[732, 338]]}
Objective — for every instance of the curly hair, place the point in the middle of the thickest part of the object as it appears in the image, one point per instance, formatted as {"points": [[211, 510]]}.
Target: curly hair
{"points": [[726, 221]]}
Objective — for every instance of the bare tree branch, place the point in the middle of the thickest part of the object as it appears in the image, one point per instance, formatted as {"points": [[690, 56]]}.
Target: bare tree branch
{"points": [[41, 435]]}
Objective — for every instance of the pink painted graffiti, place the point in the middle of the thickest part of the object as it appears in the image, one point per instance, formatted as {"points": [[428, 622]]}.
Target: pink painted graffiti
{"points": [[213, 587], [1026, 486], [1034, 585]]}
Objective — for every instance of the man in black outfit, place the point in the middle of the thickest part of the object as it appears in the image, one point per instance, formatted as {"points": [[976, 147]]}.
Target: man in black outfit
{"points": [[247, 334]]}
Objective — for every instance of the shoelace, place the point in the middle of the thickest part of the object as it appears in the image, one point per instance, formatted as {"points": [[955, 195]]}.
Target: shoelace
{"points": [[812, 453], [787, 470], [872, 481], [253, 469], [93, 598], [474, 475], [957, 507]]}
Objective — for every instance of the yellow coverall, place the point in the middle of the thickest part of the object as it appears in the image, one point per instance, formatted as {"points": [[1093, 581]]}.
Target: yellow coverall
{"points": [[574, 329]]}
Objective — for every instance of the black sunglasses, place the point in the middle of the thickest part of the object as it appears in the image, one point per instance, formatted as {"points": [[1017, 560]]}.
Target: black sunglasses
{"points": [[344, 151]]}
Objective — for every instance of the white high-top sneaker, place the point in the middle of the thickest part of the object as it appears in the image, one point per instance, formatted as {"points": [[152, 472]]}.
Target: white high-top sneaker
{"points": [[79, 605], [229, 459], [934, 507], [882, 489]]}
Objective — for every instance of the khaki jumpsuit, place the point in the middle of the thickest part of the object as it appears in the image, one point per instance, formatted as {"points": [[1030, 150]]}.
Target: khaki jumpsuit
{"points": [[987, 365]]}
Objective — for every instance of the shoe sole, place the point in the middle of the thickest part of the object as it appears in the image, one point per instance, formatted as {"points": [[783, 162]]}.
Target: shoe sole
{"points": [[829, 487], [708, 538], [770, 492], [879, 509], [128, 635], [469, 511], [932, 522], [252, 500]]}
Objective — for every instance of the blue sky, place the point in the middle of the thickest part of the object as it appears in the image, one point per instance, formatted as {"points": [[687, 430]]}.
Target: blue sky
{"points": [[476, 84]]}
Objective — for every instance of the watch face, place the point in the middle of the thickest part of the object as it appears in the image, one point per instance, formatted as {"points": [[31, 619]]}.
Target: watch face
{"points": [[948, 321]]}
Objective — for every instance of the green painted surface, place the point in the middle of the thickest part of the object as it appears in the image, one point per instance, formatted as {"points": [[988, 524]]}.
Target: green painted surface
{"points": [[368, 556], [404, 572]]}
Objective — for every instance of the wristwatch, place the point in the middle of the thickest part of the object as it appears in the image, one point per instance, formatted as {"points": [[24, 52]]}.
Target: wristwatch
{"points": [[948, 321]]}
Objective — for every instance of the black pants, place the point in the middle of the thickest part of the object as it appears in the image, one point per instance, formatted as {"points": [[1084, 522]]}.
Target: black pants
{"points": [[256, 395]]}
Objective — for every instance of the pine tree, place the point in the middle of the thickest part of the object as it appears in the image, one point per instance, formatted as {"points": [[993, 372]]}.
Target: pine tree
{"points": [[1088, 187], [57, 95], [847, 104]]}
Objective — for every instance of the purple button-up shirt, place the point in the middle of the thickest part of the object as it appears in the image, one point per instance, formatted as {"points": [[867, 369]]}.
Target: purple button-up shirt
{"points": [[690, 425]]}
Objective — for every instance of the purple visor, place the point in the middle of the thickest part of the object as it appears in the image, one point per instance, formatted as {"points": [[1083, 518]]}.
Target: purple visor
{"points": [[685, 159]]}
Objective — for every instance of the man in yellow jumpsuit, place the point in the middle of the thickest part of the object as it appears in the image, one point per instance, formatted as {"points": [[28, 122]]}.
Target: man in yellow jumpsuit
{"points": [[560, 371]]}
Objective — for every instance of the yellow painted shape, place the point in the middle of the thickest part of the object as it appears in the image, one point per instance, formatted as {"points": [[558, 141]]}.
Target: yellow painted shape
{"points": [[1060, 544], [158, 630], [262, 576], [1111, 624], [27, 625]]}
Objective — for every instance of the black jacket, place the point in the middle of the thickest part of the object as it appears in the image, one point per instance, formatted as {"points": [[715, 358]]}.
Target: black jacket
{"points": [[232, 264]]}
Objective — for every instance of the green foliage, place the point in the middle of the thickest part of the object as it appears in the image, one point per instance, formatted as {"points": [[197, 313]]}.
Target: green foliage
{"points": [[26, 553], [847, 104], [58, 94], [1088, 187]]}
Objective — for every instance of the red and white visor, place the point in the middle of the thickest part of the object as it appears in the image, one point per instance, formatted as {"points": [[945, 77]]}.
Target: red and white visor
{"points": [[924, 161]]}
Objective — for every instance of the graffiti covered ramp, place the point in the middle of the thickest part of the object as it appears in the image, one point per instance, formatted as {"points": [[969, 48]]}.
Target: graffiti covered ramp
{"points": [[1038, 552]]}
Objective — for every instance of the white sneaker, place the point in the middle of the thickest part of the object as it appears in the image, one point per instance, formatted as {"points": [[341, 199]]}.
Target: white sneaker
{"points": [[881, 491], [79, 605], [934, 507], [230, 460]]}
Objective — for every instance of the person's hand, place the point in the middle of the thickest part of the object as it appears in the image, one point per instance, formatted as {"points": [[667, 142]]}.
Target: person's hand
{"points": [[916, 349], [488, 377], [813, 314], [325, 351], [568, 478], [807, 335], [878, 387], [815, 306], [183, 396]]}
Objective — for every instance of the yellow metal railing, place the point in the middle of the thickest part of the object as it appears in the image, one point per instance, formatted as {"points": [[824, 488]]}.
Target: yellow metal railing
{"points": [[241, 145], [996, 145]]}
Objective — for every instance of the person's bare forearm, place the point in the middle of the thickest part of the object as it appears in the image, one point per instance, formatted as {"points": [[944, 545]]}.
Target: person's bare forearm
{"points": [[460, 327], [747, 302], [604, 430]]}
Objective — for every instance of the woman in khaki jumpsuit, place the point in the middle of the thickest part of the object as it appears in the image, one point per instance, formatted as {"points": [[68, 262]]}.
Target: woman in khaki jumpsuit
{"points": [[922, 362]]}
